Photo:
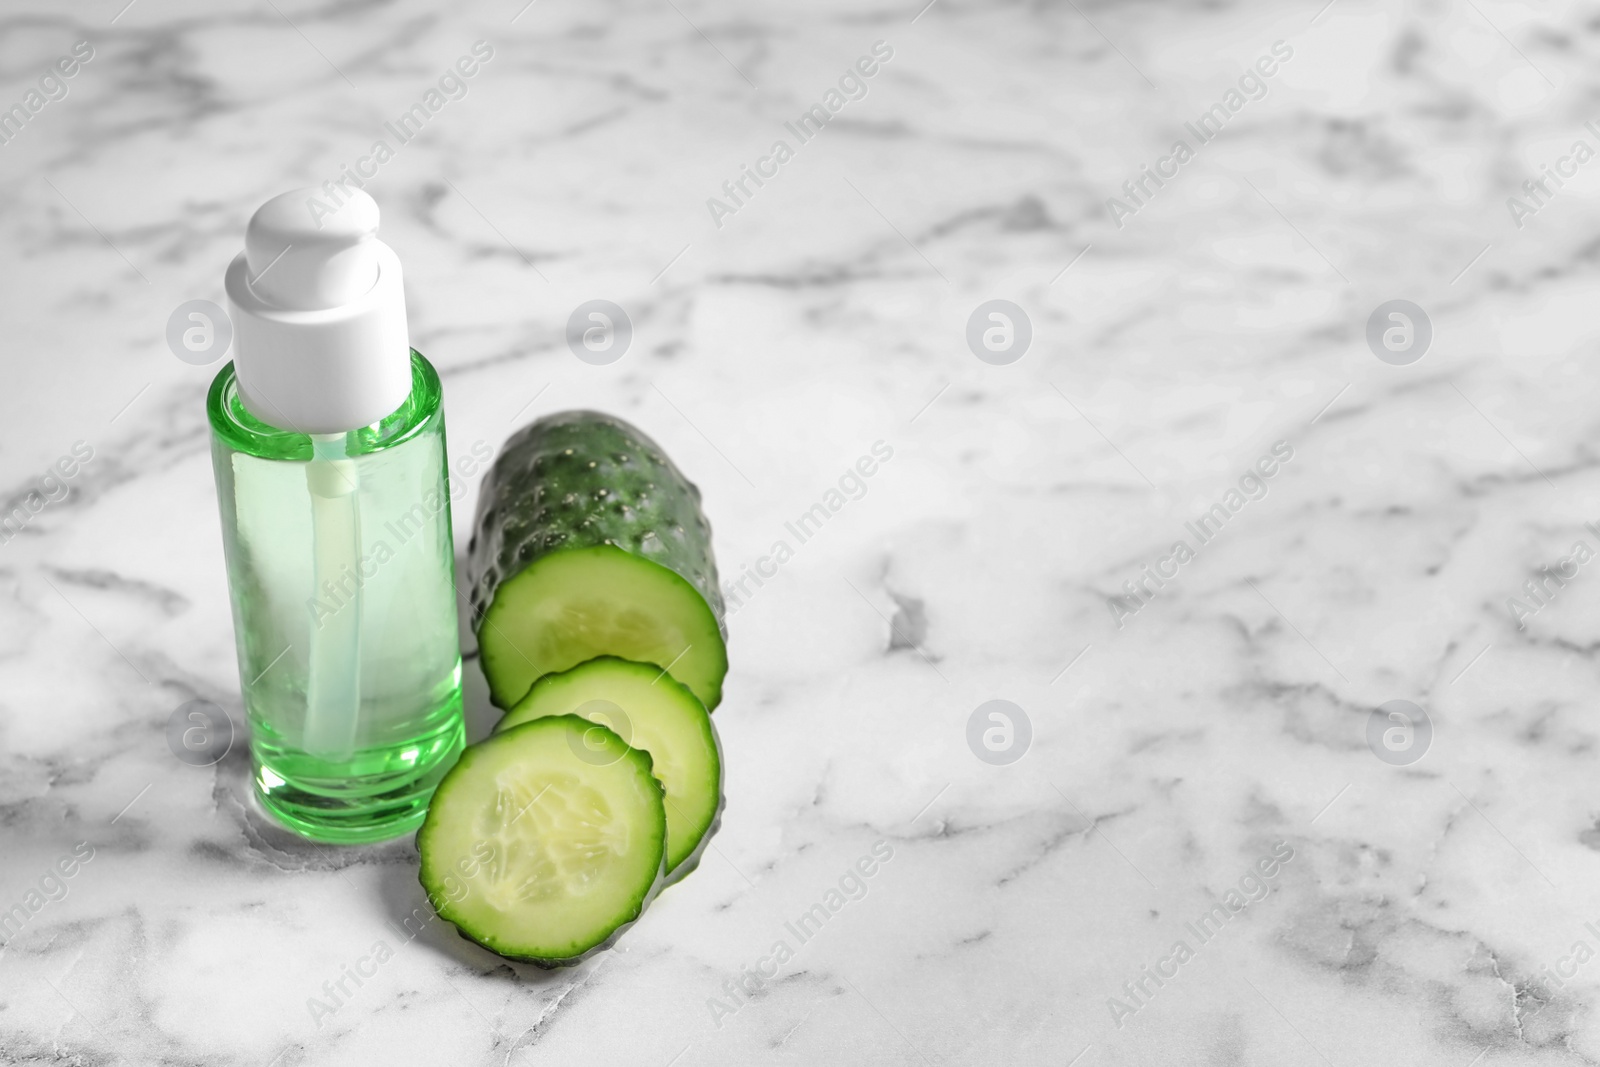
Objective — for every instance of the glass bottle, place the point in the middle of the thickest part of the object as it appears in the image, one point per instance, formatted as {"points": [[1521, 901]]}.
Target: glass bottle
{"points": [[371, 776]]}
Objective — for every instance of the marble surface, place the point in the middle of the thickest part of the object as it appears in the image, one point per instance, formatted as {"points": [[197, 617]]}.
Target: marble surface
{"points": [[1419, 906]]}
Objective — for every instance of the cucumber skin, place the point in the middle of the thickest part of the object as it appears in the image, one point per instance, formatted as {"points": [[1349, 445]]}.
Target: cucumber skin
{"points": [[615, 487], [547, 962]]}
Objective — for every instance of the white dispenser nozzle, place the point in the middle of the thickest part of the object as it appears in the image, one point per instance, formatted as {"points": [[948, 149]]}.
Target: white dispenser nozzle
{"points": [[319, 317]]}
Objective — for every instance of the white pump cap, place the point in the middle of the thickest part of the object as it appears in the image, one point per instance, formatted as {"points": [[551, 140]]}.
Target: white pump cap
{"points": [[319, 317]]}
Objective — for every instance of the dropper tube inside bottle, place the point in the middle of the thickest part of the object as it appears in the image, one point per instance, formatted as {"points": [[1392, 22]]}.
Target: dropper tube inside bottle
{"points": [[333, 697]]}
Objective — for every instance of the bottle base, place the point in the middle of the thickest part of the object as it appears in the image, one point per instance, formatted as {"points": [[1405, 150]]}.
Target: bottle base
{"points": [[389, 801]]}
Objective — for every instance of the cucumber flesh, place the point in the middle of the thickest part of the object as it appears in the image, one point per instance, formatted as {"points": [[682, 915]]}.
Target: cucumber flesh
{"points": [[571, 606], [648, 709], [538, 854]]}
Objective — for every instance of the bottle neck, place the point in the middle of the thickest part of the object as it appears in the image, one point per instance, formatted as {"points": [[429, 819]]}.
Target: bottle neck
{"points": [[234, 425]]}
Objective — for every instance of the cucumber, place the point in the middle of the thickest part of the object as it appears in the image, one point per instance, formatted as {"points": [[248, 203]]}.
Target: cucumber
{"points": [[588, 542], [648, 709], [540, 854]]}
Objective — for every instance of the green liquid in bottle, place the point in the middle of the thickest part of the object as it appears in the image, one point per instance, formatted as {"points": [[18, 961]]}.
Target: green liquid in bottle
{"points": [[342, 572]]}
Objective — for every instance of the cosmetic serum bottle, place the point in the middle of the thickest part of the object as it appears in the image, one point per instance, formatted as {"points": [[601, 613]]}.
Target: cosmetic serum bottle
{"points": [[327, 434]]}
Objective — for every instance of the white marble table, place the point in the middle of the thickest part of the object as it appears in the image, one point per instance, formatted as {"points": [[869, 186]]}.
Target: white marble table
{"points": [[1413, 908]]}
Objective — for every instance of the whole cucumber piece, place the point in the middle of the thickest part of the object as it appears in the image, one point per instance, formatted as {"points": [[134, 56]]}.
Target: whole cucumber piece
{"points": [[590, 542]]}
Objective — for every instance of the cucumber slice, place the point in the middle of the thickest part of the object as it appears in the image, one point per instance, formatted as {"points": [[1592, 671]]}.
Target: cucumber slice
{"points": [[648, 709], [572, 606], [589, 541], [546, 841]]}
